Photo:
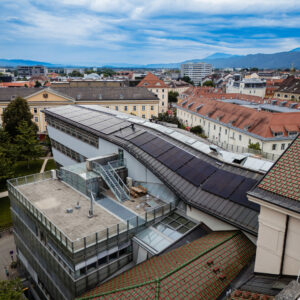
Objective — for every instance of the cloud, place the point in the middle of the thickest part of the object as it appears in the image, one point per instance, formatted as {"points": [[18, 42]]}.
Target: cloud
{"points": [[146, 32]]}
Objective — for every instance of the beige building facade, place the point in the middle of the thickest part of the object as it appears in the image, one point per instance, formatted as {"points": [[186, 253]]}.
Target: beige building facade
{"points": [[49, 97]]}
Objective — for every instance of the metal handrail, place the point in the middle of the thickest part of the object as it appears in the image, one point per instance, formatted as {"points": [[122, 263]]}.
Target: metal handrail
{"points": [[119, 179]]}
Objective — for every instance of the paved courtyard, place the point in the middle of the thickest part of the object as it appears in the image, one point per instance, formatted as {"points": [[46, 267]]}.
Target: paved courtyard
{"points": [[7, 244]]}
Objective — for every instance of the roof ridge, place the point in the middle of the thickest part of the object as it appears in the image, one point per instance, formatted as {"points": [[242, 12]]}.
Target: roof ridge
{"points": [[159, 279]]}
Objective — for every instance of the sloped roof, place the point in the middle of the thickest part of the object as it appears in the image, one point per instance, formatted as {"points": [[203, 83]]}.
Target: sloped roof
{"points": [[240, 117], [85, 93], [152, 81], [284, 177], [290, 85], [199, 270]]}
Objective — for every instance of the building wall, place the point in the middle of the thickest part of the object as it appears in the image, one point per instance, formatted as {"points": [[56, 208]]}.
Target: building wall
{"points": [[196, 71], [38, 102], [222, 133], [260, 92], [270, 244], [287, 96], [162, 94]]}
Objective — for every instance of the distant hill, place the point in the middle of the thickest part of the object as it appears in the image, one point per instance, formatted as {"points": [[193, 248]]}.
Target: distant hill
{"points": [[22, 62], [280, 60]]}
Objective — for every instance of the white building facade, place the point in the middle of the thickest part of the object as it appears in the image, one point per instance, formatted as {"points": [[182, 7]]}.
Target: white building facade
{"points": [[196, 71]]}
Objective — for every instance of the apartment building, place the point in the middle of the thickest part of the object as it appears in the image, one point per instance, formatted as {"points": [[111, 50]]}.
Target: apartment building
{"points": [[29, 71], [131, 100], [289, 89], [233, 126], [246, 86], [196, 71], [179, 86], [157, 87]]}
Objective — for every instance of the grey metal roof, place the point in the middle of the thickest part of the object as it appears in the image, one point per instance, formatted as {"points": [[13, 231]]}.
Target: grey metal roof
{"points": [[224, 209], [84, 93]]}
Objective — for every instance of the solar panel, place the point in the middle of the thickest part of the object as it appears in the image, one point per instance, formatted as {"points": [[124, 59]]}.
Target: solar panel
{"points": [[142, 139], [239, 195], [175, 158], [84, 116], [196, 171], [156, 147], [115, 128], [94, 120], [222, 183], [106, 123], [128, 133]]}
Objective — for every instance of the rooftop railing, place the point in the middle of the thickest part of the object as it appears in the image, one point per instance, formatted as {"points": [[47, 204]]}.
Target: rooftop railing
{"points": [[126, 227]]}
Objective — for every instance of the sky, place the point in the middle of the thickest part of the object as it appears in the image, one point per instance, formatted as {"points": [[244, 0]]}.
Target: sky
{"points": [[97, 32]]}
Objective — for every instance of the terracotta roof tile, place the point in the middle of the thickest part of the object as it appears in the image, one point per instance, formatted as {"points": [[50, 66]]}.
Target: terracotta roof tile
{"points": [[152, 81], [184, 272], [284, 177]]}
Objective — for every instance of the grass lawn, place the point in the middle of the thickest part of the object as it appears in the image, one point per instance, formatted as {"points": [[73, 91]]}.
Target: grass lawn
{"points": [[50, 165], [5, 217]]}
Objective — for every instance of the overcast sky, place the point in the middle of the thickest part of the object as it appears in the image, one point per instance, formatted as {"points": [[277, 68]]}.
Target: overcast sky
{"points": [[96, 32]]}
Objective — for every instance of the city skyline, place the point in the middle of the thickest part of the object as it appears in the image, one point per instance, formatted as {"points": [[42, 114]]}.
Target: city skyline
{"points": [[102, 32]]}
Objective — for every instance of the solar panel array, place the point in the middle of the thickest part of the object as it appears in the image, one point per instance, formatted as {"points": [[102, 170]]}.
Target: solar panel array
{"points": [[106, 124], [196, 171]]}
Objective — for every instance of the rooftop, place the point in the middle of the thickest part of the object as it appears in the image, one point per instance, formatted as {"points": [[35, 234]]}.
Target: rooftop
{"points": [[53, 197], [202, 269], [280, 185], [152, 81], [290, 85]]}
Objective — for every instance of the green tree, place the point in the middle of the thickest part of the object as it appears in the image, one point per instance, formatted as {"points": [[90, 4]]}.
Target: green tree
{"points": [[187, 79], [27, 143], [75, 73], [208, 83], [37, 84], [11, 289], [173, 96], [253, 69], [15, 112], [196, 129], [254, 146]]}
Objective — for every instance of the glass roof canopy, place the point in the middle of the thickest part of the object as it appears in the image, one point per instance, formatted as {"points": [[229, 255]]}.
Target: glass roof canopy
{"points": [[164, 233]]}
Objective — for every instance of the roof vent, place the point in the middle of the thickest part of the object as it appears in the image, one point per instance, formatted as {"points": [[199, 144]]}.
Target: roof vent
{"points": [[99, 96], [69, 210], [78, 97], [13, 97], [77, 206], [216, 269]]}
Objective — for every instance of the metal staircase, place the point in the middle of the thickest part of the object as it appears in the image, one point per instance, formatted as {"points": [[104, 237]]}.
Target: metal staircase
{"points": [[113, 180]]}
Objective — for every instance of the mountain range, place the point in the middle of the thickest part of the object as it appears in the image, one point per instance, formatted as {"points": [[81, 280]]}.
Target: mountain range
{"points": [[218, 60]]}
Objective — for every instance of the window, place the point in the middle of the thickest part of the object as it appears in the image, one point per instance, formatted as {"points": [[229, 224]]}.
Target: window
{"points": [[278, 95], [134, 108], [249, 141], [225, 131], [116, 107], [143, 108], [233, 135], [214, 127], [125, 107], [240, 137], [36, 119], [35, 110], [152, 107], [152, 116], [163, 90], [163, 103], [220, 128], [156, 90], [282, 146], [285, 96], [143, 116], [163, 96], [274, 147]]}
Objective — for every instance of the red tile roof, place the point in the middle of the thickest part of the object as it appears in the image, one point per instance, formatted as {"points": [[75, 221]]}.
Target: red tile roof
{"points": [[284, 177], [152, 81], [15, 84], [199, 270], [261, 123]]}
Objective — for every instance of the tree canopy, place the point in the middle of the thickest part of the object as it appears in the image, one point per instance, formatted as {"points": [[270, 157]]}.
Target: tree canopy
{"points": [[15, 112], [173, 96], [37, 84], [11, 289], [27, 143], [75, 73], [208, 83], [187, 79]]}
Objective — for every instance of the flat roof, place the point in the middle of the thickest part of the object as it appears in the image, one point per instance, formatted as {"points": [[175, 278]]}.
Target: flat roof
{"points": [[53, 197]]}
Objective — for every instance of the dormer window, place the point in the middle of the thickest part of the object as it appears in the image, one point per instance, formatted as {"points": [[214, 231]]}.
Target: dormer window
{"points": [[184, 103], [291, 133], [146, 83], [158, 83], [279, 133], [190, 104]]}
